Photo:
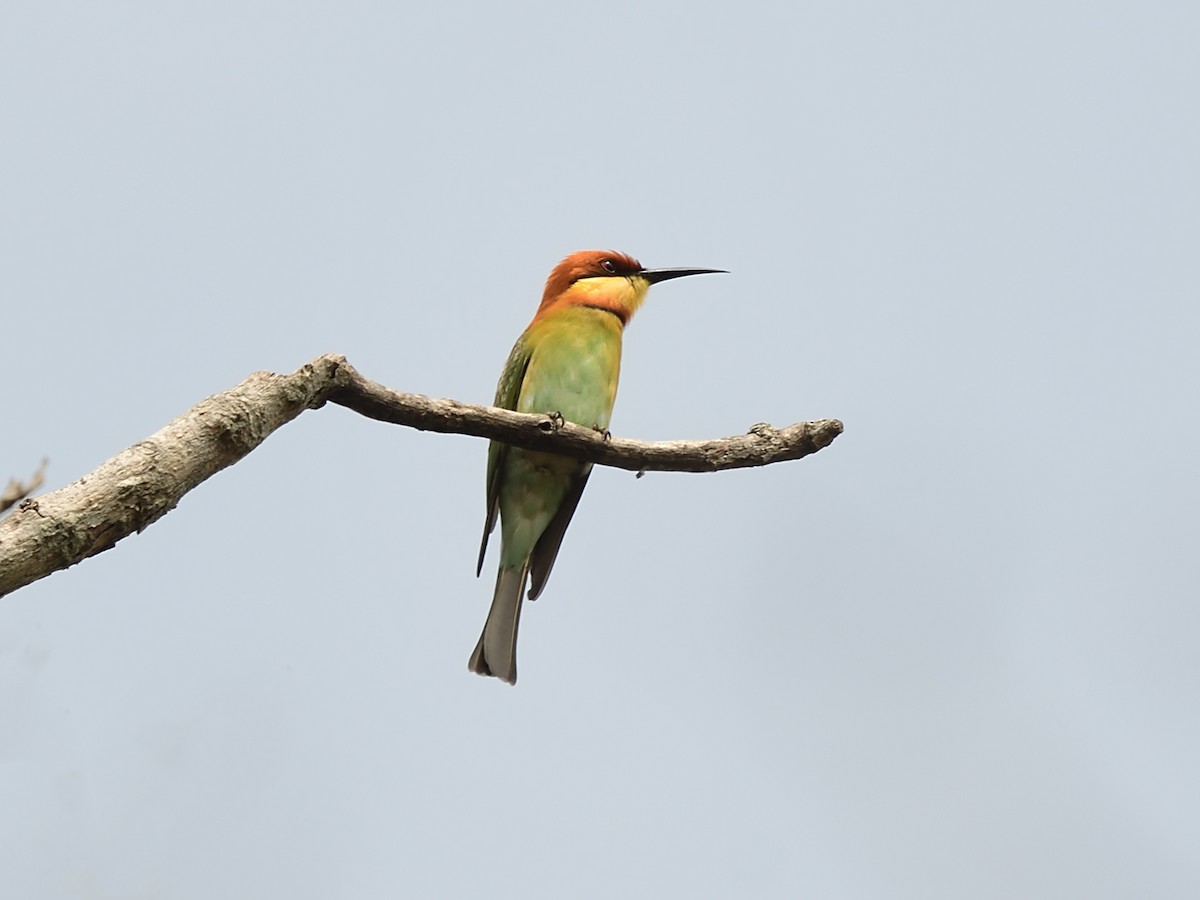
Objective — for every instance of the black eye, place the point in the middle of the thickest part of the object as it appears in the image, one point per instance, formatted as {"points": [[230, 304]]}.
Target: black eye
{"points": [[607, 266]]}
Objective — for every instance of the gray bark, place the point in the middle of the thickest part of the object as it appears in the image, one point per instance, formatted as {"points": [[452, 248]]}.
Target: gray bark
{"points": [[143, 483]]}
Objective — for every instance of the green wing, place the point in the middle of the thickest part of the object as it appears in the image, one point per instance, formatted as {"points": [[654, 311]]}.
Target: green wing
{"points": [[546, 549], [508, 391]]}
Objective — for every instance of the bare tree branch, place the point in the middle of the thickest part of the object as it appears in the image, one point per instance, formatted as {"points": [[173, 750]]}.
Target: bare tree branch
{"points": [[143, 483], [18, 490]]}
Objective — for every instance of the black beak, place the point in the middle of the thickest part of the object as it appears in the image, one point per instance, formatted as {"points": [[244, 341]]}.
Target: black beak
{"points": [[654, 276]]}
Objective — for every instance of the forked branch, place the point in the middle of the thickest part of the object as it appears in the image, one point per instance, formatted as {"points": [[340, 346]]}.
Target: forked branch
{"points": [[19, 490], [143, 483]]}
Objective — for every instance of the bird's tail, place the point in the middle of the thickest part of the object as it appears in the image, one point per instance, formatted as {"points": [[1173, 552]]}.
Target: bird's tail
{"points": [[496, 652]]}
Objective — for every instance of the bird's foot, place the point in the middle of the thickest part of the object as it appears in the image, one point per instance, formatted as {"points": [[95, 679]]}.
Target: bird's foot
{"points": [[603, 432], [554, 422]]}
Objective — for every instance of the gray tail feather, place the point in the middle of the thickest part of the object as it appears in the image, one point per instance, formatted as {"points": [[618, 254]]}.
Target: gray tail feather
{"points": [[496, 652]]}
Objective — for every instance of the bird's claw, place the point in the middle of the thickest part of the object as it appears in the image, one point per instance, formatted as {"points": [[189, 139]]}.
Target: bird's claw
{"points": [[554, 422]]}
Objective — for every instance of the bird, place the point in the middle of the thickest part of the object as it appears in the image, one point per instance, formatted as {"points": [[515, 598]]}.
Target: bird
{"points": [[565, 364]]}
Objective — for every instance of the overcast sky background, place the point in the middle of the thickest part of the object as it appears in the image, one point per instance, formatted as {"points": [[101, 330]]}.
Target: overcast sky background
{"points": [[954, 655]]}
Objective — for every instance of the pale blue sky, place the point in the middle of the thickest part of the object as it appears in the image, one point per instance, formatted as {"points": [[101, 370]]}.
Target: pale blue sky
{"points": [[952, 656]]}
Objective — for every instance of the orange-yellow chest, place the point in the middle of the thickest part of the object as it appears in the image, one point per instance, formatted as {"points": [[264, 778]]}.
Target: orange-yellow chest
{"points": [[574, 365]]}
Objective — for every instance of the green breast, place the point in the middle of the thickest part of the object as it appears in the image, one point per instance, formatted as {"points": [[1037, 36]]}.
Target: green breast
{"points": [[574, 364]]}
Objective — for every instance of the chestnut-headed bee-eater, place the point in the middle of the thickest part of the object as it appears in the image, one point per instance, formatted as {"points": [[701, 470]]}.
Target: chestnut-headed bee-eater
{"points": [[567, 363]]}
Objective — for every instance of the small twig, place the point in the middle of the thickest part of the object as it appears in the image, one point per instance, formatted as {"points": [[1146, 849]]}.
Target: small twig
{"points": [[18, 490]]}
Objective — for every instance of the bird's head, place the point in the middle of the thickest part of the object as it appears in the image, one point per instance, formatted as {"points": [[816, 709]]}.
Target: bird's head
{"points": [[605, 279]]}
